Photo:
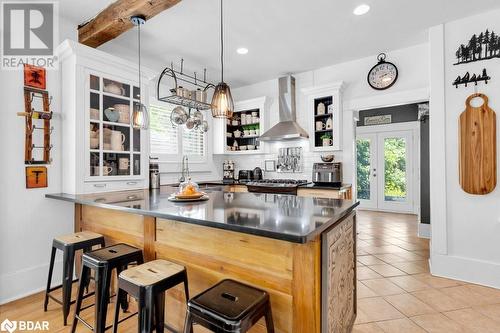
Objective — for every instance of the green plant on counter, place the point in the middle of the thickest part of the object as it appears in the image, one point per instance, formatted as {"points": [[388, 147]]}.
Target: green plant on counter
{"points": [[326, 136]]}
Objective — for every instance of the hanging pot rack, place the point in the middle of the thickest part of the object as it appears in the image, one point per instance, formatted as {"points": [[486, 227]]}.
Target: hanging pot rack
{"points": [[180, 76]]}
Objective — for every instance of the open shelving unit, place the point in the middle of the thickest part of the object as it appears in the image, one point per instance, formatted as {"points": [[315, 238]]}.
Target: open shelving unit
{"points": [[224, 129], [106, 161], [331, 97]]}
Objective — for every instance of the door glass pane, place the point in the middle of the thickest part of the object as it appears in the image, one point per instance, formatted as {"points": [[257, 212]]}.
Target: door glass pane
{"points": [[363, 168], [395, 169]]}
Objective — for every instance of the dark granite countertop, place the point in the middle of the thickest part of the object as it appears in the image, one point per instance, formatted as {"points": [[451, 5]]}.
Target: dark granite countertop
{"points": [[285, 217]]}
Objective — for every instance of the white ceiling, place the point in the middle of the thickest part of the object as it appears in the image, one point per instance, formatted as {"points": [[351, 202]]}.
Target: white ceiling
{"points": [[283, 36]]}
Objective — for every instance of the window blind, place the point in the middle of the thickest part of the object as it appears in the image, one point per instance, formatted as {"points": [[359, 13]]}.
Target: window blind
{"points": [[168, 140], [163, 136]]}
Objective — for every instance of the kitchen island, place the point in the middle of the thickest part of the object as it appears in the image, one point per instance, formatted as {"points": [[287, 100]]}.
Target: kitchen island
{"points": [[301, 250]]}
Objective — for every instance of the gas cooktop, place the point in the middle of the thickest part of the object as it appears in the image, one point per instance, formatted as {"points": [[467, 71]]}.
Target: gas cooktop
{"points": [[278, 182]]}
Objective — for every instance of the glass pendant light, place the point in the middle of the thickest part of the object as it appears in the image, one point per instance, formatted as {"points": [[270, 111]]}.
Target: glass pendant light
{"points": [[222, 101], [140, 115]]}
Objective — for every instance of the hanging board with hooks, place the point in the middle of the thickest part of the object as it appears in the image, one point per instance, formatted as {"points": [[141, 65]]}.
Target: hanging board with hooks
{"points": [[477, 151]]}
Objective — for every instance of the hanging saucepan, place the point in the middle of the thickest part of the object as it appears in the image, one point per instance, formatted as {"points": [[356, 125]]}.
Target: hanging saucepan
{"points": [[198, 117], [178, 116], [204, 126]]}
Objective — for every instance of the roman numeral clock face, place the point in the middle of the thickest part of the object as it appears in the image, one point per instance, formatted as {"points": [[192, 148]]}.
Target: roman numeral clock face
{"points": [[383, 75]]}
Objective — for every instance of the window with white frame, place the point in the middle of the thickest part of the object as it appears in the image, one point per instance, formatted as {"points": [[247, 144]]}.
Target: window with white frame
{"points": [[169, 142]]}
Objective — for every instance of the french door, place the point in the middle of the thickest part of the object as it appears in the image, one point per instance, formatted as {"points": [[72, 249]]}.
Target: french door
{"points": [[386, 179]]}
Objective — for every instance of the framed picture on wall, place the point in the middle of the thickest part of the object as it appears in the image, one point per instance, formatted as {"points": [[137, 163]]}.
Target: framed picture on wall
{"points": [[35, 77], [36, 177]]}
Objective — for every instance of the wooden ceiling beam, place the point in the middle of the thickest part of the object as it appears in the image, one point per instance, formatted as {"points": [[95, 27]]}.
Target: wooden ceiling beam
{"points": [[115, 19]]}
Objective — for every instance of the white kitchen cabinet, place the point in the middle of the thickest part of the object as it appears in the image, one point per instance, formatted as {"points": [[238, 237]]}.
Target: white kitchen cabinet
{"points": [[224, 129], [324, 109], [101, 151]]}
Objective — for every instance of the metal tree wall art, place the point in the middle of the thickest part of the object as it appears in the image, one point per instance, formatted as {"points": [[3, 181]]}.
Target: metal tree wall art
{"points": [[484, 46]]}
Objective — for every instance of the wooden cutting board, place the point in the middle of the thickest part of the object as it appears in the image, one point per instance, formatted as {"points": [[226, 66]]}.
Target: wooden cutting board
{"points": [[478, 157]]}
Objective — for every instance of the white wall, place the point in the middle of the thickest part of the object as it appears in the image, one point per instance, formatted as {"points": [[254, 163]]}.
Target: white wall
{"points": [[466, 232], [28, 221], [412, 86]]}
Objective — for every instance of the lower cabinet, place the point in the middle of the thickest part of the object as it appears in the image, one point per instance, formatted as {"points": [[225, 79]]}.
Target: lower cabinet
{"points": [[237, 188], [320, 193], [339, 276], [344, 193]]}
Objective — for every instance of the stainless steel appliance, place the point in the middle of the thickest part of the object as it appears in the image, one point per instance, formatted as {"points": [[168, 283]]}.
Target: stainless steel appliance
{"points": [[287, 128], [245, 176], [257, 174], [228, 171], [154, 174], [278, 186], [327, 174]]}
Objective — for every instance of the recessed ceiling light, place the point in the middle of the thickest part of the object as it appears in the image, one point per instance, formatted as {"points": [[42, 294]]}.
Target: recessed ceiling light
{"points": [[242, 50], [361, 9]]}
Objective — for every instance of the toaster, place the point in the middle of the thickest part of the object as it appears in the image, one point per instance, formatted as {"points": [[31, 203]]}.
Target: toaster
{"points": [[327, 174]]}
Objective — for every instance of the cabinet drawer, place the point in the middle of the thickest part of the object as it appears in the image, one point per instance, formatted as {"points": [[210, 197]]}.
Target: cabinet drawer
{"points": [[238, 188], [107, 186], [309, 192]]}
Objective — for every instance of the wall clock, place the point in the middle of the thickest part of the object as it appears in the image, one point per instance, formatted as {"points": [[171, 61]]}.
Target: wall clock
{"points": [[383, 75]]}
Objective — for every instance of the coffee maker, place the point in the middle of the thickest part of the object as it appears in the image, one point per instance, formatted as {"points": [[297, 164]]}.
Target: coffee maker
{"points": [[228, 171]]}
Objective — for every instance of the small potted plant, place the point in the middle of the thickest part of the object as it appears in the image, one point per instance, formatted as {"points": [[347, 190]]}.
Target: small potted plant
{"points": [[247, 130], [256, 129], [327, 140]]}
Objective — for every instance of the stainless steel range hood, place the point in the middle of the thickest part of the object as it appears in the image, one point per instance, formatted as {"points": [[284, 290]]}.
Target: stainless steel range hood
{"points": [[287, 128]]}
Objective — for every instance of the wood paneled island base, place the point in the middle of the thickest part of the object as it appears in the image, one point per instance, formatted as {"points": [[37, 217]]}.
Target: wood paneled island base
{"points": [[310, 280]]}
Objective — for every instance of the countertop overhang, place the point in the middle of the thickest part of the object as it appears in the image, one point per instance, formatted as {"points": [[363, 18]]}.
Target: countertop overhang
{"points": [[284, 217]]}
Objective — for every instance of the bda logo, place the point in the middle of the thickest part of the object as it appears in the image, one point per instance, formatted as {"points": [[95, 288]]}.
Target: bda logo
{"points": [[8, 325]]}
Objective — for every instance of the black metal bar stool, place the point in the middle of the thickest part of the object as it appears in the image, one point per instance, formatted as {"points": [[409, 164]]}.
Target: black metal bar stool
{"points": [[69, 244], [229, 306], [103, 261], [147, 283]]}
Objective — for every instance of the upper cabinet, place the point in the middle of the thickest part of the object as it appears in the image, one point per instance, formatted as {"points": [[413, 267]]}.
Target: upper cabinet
{"points": [[240, 134], [101, 150], [324, 109]]}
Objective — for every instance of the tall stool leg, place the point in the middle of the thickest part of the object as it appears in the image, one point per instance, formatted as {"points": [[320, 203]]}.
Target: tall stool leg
{"points": [[146, 313], [68, 261], [102, 280], [86, 281], [160, 312], [79, 298], [121, 293], [121, 299], [49, 279], [269, 320], [188, 323]]}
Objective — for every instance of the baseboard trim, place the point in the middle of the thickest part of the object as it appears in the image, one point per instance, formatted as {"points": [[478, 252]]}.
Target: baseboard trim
{"points": [[424, 230], [465, 269], [28, 281]]}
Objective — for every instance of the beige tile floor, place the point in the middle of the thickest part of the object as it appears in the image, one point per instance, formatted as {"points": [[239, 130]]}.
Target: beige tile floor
{"points": [[397, 294]]}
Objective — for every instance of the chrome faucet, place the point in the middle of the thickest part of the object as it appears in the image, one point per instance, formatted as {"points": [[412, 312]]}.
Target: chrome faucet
{"points": [[184, 169]]}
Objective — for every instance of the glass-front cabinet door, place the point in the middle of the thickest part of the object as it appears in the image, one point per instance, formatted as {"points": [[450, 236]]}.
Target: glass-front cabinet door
{"points": [[113, 146]]}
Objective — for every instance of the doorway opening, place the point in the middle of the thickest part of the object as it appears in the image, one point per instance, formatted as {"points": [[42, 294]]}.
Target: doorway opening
{"points": [[392, 156]]}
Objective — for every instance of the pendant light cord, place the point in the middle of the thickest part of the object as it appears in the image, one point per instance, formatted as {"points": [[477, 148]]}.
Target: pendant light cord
{"points": [[221, 42], [139, 51]]}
